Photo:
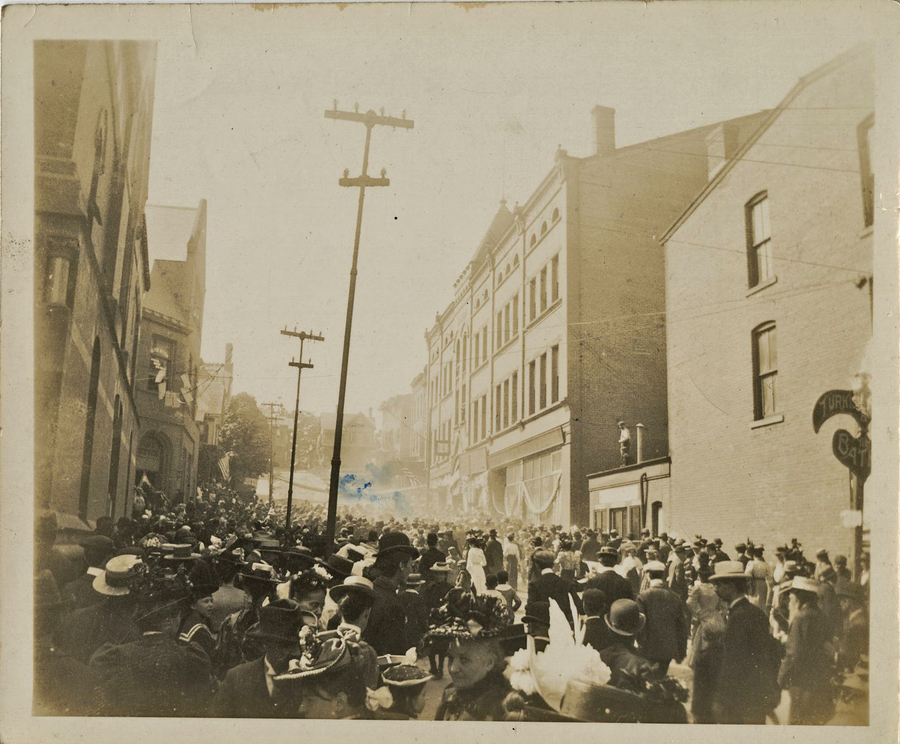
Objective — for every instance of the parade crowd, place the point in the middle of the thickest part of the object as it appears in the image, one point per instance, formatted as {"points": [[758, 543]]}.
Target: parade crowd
{"points": [[216, 608]]}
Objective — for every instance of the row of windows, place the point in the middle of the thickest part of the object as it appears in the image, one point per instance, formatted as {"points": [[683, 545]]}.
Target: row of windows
{"points": [[507, 327], [544, 227], [506, 402], [543, 390], [541, 296]]}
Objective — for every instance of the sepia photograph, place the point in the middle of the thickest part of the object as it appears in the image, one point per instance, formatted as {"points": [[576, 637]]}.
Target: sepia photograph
{"points": [[521, 363]]}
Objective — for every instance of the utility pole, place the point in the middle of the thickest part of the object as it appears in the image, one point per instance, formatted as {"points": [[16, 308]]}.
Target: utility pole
{"points": [[370, 119], [300, 365], [271, 407]]}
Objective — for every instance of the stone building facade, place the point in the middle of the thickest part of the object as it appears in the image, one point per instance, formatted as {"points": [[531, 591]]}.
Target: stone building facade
{"points": [[93, 119]]}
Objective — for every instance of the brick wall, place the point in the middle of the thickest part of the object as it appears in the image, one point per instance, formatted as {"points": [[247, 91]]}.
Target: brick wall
{"points": [[778, 481]]}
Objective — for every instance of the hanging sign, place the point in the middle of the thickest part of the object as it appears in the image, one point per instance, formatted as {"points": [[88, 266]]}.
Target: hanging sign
{"points": [[854, 453], [833, 403]]}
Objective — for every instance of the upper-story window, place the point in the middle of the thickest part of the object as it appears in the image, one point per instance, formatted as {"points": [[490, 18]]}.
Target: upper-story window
{"points": [[61, 272], [162, 359], [759, 241], [765, 371], [544, 228], [516, 262], [555, 214], [864, 136], [533, 239]]}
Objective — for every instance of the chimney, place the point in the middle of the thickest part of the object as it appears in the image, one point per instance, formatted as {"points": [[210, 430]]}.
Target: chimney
{"points": [[640, 443], [721, 145], [605, 124]]}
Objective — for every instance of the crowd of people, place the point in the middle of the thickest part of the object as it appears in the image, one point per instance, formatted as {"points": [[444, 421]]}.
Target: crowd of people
{"points": [[216, 607]]}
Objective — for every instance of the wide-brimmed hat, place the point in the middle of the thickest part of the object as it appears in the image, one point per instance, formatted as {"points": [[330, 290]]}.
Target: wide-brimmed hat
{"points": [[316, 658], [440, 567], [180, 553], [396, 542], [469, 616], [260, 573], [537, 612], [726, 570], [654, 566], [405, 675], [625, 618], [804, 584], [414, 579], [279, 621], [116, 579], [608, 550], [337, 565], [353, 585]]}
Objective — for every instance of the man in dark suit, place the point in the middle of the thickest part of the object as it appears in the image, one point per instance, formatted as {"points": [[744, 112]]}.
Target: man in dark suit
{"points": [[744, 690], [431, 555], [609, 581], [249, 689], [154, 675], [665, 633], [590, 546], [415, 607], [386, 629], [80, 593], [547, 585], [109, 621], [493, 553], [596, 632]]}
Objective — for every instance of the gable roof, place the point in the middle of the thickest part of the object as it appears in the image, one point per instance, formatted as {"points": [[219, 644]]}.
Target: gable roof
{"points": [[502, 221], [773, 116]]}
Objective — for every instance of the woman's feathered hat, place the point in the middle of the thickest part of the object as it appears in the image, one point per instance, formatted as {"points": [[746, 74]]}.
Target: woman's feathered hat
{"points": [[465, 615]]}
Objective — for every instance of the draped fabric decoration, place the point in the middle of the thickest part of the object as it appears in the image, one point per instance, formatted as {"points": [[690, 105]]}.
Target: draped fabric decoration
{"points": [[538, 508], [506, 507]]}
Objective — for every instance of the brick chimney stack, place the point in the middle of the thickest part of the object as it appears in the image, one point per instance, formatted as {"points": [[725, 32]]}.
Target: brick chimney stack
{"points": [[605, 123]]}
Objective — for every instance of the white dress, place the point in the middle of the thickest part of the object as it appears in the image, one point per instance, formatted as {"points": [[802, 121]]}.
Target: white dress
{"points": [[475, 563]]}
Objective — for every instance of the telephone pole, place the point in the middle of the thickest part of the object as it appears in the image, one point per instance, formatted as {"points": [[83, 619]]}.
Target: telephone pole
{"points": [[271, 407], [300, 365], [370, 119]]}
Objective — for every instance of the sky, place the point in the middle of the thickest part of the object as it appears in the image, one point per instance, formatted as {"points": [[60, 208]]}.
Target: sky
{"points": [[239, 121]]}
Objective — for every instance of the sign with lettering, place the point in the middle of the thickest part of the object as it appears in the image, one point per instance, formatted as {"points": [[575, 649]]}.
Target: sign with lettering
{"points": [[833, 403], [854, 453]]}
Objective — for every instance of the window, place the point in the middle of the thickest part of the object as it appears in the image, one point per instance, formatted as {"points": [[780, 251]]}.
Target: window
{"points": [[484, 344], [532, 312], [516, 262], [162, 359], [531, 387], [475, 419], [759, 251], [465, 345], [462, 407], [514, 403], [507, 324], [476, 348], [864, 137], [505, 403], [765, 371], [483, 416], [543, 380], [59, 282], [540, 476], [554, 374], [507, 268], [456, 406], [498, 413], [543, 289], [515, 314], [555, 214], [554, 279], [544, 229], [498, 331], [533, 239]]}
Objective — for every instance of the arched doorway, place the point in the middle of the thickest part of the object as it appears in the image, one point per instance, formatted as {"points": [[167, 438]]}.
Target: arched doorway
{"points": [[152, 461]]}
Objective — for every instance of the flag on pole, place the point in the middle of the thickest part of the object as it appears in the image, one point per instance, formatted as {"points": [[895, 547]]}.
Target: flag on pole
{"points": [[223, 467]]}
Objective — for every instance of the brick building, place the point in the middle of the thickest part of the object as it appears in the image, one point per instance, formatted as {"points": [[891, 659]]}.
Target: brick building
{"points": [[358, 446], [213, 395], [93, 118], [168, 361], [768, 287], [556, 331]]}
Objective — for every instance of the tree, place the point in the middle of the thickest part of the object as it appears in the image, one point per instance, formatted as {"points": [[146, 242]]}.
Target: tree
{"points": [[245, 437], [308, 429]]}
